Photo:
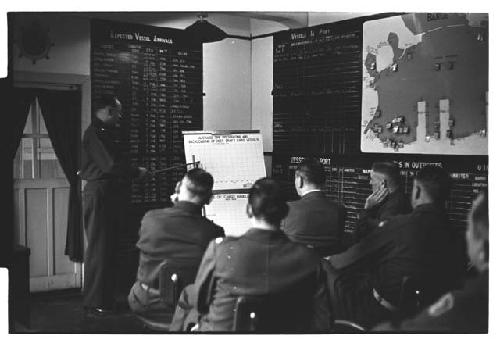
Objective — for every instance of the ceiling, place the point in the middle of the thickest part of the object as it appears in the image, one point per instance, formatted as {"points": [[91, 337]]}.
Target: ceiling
{"points": [[236, 23]]}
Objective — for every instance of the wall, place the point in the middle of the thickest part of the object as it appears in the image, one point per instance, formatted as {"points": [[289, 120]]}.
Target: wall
{"points": [[262, 85], [238, 74], [71, 50], [69, 58], [318, 18], [227, 85]]}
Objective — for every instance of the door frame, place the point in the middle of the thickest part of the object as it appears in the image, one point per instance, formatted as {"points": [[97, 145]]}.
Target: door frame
{"points": [[54, 81]]}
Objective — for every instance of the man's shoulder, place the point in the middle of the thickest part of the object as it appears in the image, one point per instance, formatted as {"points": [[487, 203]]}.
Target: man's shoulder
{"points": [[222, 244], [211, 225], [398, 201], [400, 219], [155, 214], [89, 131], [316, 199]]}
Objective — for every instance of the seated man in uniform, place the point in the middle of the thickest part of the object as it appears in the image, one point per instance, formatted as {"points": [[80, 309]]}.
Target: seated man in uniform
{"points": [[387, 199], [262, 262], [365, 281], [465, 310], [179, 234], [314, 220]]}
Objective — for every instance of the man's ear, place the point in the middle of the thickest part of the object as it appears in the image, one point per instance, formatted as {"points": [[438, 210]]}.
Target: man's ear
{"points": [[249, 211], [209, 200], [418, 191], [301, 181], [484, 256]]}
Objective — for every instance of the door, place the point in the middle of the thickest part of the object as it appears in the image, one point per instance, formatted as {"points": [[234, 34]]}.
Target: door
{"points": [[41, 196]]}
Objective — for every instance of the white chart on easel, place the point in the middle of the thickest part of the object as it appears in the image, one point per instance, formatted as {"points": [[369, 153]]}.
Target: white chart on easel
{"points": [[229, 212], [235, 160]]}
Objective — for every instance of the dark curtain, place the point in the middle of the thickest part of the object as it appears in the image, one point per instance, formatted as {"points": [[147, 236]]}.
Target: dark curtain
{"points": [[19, 101], [15, 105], [61, 112]]}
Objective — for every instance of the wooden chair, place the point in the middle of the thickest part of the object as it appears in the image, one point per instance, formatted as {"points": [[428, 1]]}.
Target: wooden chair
{"points": [[247, 309], [288, 311], [411, 299], [347, 326], [173, 277]]}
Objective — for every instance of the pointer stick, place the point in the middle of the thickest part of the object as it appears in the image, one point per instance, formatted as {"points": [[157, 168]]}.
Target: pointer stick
{"points": [[173, 167]]}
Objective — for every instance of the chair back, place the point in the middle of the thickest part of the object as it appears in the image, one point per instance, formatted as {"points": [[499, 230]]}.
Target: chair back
{"points": [[283, 312], [347, 326], [246, 311], [173, 277], [411, 297]]}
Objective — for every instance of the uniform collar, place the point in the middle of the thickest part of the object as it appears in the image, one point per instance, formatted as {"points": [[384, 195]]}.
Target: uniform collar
{"points": [[428, 207], [101, 126], [312, 194], [188, 207], [259, 233]]}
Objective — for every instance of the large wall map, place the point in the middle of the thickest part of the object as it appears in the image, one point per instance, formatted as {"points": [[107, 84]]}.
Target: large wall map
{"points": [[425, 84]]}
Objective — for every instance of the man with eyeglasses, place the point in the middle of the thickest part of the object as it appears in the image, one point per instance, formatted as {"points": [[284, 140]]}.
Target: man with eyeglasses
{"points": [[107, 172]]}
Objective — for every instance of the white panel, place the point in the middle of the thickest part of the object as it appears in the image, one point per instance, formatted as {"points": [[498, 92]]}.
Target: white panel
{"points": [[262, 85], [62, 264], [36, 224], [227, 85]]}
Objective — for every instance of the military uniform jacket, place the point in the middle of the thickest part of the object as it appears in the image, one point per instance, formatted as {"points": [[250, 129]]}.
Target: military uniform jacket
{"points": [[462, 311], [179, 233], [396, 203], [420, 245], [260, 262], [101, 155], [314, 220]]}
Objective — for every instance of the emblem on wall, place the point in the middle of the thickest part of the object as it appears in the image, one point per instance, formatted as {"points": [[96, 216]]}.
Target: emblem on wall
{"points": [[34, 42]]}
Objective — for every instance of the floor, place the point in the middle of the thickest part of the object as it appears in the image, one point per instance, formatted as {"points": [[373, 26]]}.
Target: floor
{"points": [[62, 312]]}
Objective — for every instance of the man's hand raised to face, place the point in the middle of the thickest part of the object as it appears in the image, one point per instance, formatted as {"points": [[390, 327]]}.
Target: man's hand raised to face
{"points": [[376, 197]]}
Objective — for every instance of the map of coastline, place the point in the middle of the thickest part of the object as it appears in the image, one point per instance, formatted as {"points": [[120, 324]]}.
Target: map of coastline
{"points": [[425, 84]]}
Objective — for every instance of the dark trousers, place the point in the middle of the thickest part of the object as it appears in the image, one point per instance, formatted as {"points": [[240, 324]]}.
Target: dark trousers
{"points": [[351, 297], [185, 315], [103, 208], [148, 304]]}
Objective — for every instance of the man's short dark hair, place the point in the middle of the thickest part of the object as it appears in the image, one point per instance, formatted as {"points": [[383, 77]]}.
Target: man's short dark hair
{"points": [[312, 171], [268, 201], [104, 100], [200, 184], [436, 182], [479, 222], [390, 170]]}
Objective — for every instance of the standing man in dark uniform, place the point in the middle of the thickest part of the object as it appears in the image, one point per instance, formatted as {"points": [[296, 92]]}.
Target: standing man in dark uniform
{"points": [[107, 172], [386, 201], [314, 220], [465, 310]]}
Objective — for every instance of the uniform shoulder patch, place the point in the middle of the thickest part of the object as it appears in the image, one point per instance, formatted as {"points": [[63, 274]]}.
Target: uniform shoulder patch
{"points": [[443, 305]]}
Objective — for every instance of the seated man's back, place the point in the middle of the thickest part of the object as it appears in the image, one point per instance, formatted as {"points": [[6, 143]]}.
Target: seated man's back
{"points": [[423, 248], [465, 310], [421, 245], [178, 235], [259, 263], [314, 220]]}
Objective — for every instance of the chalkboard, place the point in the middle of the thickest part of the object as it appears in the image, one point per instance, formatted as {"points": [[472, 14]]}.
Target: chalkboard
{"points": [[317, 112], [157, 75]]}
